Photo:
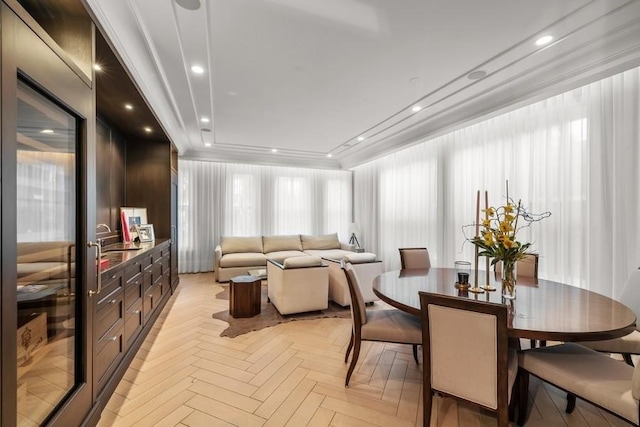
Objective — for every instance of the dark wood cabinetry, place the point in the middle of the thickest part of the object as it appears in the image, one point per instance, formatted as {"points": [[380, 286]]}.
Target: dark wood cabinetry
{"points": [[130, 300]]}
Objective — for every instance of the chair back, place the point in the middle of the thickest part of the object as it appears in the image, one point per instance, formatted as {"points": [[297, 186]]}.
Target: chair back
{"points": [[465, 349], [630, 295], [526, 267], [414, 258], [358, 308]]}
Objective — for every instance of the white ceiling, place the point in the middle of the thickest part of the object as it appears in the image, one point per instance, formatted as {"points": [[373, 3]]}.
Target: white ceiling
{"points": [[308, 77]]}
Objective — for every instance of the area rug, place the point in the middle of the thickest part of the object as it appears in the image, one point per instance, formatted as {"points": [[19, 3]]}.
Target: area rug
{"points": [[269, 316]]}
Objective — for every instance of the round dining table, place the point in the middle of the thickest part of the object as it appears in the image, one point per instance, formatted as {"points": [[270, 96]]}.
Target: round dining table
{"points": [[542, 309]]}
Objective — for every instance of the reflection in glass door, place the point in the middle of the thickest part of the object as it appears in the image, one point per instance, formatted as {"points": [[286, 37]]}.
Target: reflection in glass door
{"points": [[46, 254]]}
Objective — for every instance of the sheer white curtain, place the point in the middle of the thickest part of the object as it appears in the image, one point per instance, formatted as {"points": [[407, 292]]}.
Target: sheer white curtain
{"points": [[221, 199], [575, 155]]}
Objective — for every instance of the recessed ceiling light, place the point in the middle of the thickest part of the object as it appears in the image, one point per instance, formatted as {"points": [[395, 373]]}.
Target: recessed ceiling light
{"points": [[361, 138], [274, 150], [416, 108], [544, 40], [189, 4], [476, 75], [147, 129], [46, 131], [329, 155], [205, 120], [197, 69], [205, 130], [97, 67], [207, 144], [128, 106]]}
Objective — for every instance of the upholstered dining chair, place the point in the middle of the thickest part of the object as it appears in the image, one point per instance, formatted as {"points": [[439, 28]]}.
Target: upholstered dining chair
{"points": [[414, 258], [466, 354], [377, 325], [595, 377], [629, 344]]}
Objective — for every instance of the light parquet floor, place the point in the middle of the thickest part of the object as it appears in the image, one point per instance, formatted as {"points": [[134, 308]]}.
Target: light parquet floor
{"points": [[185, 374]]}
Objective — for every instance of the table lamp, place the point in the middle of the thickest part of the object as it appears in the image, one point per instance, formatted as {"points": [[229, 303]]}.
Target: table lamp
{"points": [[353, 230]]}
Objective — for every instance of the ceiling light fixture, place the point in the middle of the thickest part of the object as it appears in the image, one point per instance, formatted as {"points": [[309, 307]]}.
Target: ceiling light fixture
{"points": [[97, 67], [205, 120], [274, 150], [128, 106], [544, 40], [147, 129], [207, 144], [476, 75], [416, 108], [46, 131], [197, 69], [205, 130], [189, 4], [329, 155], [361, 138]]}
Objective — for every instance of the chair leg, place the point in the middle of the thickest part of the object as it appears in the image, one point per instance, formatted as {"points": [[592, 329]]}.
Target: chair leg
{"points": [[427, 402], [627, 358], [346, 356], [571, 403], [415, 353], [543, 343], [354, 360], [523, 395]]}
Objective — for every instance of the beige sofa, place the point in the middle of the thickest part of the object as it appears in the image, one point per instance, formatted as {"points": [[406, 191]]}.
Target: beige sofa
{"points": [[366, 266], [237, 255]]}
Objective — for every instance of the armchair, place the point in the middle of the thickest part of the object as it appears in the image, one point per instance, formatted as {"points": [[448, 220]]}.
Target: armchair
{"points": [[299, 284]]}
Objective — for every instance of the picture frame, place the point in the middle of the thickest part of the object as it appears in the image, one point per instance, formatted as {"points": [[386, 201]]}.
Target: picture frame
{"points": [[130, 218], [145, 233]]}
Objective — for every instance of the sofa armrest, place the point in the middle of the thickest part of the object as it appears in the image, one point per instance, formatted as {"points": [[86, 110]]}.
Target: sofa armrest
{"points": [[217, 254], [347, 247]]}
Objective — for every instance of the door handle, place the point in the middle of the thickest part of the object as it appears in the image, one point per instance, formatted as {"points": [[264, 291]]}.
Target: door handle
{"points": [[98, 275]]}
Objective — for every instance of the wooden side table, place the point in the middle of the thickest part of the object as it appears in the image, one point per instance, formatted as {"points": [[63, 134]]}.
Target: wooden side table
{"points": [[245, 296]]}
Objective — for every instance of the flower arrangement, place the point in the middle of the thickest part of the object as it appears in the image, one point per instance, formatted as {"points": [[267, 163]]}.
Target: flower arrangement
{"points": [[498, 238]]}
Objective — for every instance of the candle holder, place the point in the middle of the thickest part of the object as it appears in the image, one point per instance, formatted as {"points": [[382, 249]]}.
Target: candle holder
{"points": [[463, 272], [487, 284]]}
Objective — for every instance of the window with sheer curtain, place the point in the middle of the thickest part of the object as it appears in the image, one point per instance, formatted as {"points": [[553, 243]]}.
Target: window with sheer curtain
{"points": [[223, 199], [575, 155]]}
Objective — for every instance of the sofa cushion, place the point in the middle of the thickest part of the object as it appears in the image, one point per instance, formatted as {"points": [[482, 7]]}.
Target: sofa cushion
{"points": [[327, 241], [57, 251], [280, 256], [299, 262], [281, 243], [231, 245], [333, 254], [248, 259], [360, 258]]}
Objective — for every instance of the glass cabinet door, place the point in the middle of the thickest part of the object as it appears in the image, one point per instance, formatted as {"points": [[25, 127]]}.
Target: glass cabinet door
{"points": [[47, 237]]}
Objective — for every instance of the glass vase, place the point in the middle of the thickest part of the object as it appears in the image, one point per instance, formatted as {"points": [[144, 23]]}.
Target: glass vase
{"points": [[509, 275]]}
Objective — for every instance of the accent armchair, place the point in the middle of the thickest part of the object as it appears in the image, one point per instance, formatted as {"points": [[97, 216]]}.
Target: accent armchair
{"points": [[299, 284]]}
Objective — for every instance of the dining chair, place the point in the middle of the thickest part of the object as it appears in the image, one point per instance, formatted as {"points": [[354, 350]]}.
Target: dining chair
{"points": [[580, 371], [466, 354], [414, 258], [391, 325], [629, 344]]}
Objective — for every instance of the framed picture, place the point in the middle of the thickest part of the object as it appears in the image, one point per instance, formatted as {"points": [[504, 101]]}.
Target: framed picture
{"points": [[131, 217], [145, 232]]}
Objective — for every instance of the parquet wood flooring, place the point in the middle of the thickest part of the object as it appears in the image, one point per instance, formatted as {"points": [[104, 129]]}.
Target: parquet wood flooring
{"points": [[292, 374]]}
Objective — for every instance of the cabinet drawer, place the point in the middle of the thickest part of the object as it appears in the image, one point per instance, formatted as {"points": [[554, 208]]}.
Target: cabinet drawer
{"points": [[108, 357], [132, 269], [133, 292], [133, 322], [157, 271], [111, 281], [109, 312]]}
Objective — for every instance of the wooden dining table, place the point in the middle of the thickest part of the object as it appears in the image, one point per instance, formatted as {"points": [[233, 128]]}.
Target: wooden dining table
{"points": [[542, 309]]}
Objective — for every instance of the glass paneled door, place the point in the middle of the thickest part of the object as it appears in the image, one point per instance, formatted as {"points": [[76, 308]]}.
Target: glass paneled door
{"points": [[47, 237]]}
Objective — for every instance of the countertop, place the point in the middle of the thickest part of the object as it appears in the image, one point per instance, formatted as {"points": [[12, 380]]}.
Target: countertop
{"points": [[119, 253]]}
